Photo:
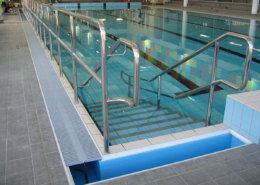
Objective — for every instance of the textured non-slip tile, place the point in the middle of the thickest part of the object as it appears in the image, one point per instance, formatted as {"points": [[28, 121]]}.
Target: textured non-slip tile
{"points": [[162, 172], [53, 159], [250, 176], [57, 173], [18, 166], [138, 178], [230, 180], [18, 152], [42, 176], [2, 169], [208, 160], [176, 180], [254, 159], [18, 141], [218, 170], [238, 165], [39, 161], [21, 178], [50, 147], [185, 166], [195, 177]]}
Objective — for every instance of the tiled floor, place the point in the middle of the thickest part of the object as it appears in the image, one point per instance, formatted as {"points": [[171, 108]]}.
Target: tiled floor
{"points": [[239, 166], [28, 151]]}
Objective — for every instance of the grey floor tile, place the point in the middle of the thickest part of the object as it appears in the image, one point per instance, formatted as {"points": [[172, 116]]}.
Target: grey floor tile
{"points": [[218, 170], [238, 165], [48, 136], [2, 181], [35, 137], [37, 149], [176, 180], [39, 161], [254, 159], [3, 130], [258, 167], [50, 147], [57, 173], [18, 166], [42, 176], [138, 178], [208, 160], [209, 183], [2, 150], [2, 169], [63, 182], [18, 153], [185, 166], [46, 127], [196, 177], [20, 179], [250, 176], [18, 141], [118, 181], [53, 159], [16, 129], [162, 172], [230, 180]]}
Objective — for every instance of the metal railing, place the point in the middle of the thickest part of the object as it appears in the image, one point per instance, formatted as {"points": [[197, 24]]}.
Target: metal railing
{"points": [[37, 18], [214, 82]]}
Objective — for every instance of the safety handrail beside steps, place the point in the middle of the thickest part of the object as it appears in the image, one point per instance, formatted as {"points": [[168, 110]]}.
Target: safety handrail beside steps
{"points": [[37, 18], [214, 82]]}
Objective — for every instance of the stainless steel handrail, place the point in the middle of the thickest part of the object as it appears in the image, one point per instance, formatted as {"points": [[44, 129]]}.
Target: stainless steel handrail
{"points": [[212, 43], [37, 19], [214, 82]]}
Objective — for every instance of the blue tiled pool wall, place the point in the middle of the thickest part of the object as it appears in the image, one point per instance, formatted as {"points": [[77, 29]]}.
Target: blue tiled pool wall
{"points": [[101, 170], [243, 119], [125, 124]]}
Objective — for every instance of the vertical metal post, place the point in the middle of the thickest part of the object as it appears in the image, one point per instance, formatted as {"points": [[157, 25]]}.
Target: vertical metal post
{"points": [[159, 92], [74, 67], [213, 78], [58, 35], [44, 36], [40, 26], [103, 45], [36, 13], [49, 27], [129, 86]]}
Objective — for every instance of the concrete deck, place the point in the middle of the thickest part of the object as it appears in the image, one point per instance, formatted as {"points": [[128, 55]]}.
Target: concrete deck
{"points": [[28, 150]]}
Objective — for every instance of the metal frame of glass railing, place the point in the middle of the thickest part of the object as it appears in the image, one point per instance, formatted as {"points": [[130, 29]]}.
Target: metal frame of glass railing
{"points": [[214, 82], [37, 19]]}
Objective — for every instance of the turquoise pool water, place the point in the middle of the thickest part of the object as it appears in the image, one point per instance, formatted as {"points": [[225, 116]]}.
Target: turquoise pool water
{"points": [[101, 170], [164, 37]]}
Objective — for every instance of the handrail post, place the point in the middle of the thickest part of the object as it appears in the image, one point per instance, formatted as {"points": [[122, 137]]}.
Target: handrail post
{"points": [[103, 45], [74, 67], [49, 25], [129, 86], [44, 36], [159, 92], [213, 78], [36, 13], [40, 25], [58, 35]]}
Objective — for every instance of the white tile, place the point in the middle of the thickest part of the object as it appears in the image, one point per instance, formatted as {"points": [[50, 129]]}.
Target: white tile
{"points": [[240, 99], [137, 144], [161, 139], [98, 140], [116, 149], [81, 110], [253, 98], [221, 126], [254, 105], [86, 118], [185, 134], [92, 128], [248, 94], [205, 130]]}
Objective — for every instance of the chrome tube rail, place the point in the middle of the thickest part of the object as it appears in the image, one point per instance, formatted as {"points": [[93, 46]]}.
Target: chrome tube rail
{"points": [[214, 82], [37, 19]]}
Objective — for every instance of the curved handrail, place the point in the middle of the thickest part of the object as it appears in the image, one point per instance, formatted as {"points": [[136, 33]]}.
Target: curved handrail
{"points": [[212, 43]]}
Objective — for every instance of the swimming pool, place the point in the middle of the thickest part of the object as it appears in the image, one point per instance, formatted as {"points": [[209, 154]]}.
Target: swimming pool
{"points": [[164, 37]]}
